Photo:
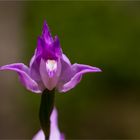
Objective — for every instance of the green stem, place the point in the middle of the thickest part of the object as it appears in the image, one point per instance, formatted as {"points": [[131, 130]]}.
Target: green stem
{"points": [[46, 107]]}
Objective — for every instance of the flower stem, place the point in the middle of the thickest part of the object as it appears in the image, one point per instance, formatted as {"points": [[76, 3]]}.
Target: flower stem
{"points": [[46, 107]]}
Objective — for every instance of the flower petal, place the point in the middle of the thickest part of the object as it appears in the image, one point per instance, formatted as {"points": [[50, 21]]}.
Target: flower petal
{"points": [[34, 71], [49, 83], [66, 66], [72, 76], [57, 47], [39, 49], [65, 60], [23, 72], [46, 35], [54, 131], [65, 72], [39, 136]]}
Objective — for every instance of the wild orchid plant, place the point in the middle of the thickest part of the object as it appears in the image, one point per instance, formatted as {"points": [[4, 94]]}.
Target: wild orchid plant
{"points": [[49, 69]]}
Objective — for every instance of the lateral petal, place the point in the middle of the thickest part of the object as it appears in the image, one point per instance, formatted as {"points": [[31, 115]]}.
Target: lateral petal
{"points": [[72, 76], [23, 72], [34, 71]]}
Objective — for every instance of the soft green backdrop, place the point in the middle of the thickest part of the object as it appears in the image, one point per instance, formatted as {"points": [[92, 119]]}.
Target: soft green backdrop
{"points": [[101, 34]]}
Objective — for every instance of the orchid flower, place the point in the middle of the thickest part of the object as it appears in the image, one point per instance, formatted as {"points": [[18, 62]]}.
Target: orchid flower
{"points": [[54, 131], [49, 67]]}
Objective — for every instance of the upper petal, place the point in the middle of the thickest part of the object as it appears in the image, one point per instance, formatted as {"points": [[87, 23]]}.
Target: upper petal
{"points": [[46, 35], [39, 49], [50, 51], [23, 72], [49, 48], [72, 76], [57, 47]]}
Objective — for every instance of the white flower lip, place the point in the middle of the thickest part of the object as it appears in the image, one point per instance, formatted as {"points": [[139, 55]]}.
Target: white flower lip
{"points": [[51, 65]]}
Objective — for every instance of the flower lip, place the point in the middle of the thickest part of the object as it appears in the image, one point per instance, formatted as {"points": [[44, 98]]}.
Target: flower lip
{"points": [[51, 67]]}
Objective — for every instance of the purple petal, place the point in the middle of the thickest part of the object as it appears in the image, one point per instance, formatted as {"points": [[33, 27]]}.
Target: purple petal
{"points": [[34, 71], [50, 51], [65, 64], [66, 72], [39, 49], [23, 72], [54, 131], [72, 76], [57, 47], [34, 68], [49, 48], [39, 136], [46, 35], [49, 82], [65, 60]]}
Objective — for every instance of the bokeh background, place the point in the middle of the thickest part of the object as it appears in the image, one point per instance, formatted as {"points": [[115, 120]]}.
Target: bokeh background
{"points": [[102, 34]]}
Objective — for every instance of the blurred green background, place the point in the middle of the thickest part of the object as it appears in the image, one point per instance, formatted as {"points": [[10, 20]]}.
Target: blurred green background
{"points": [[101, 34]]}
